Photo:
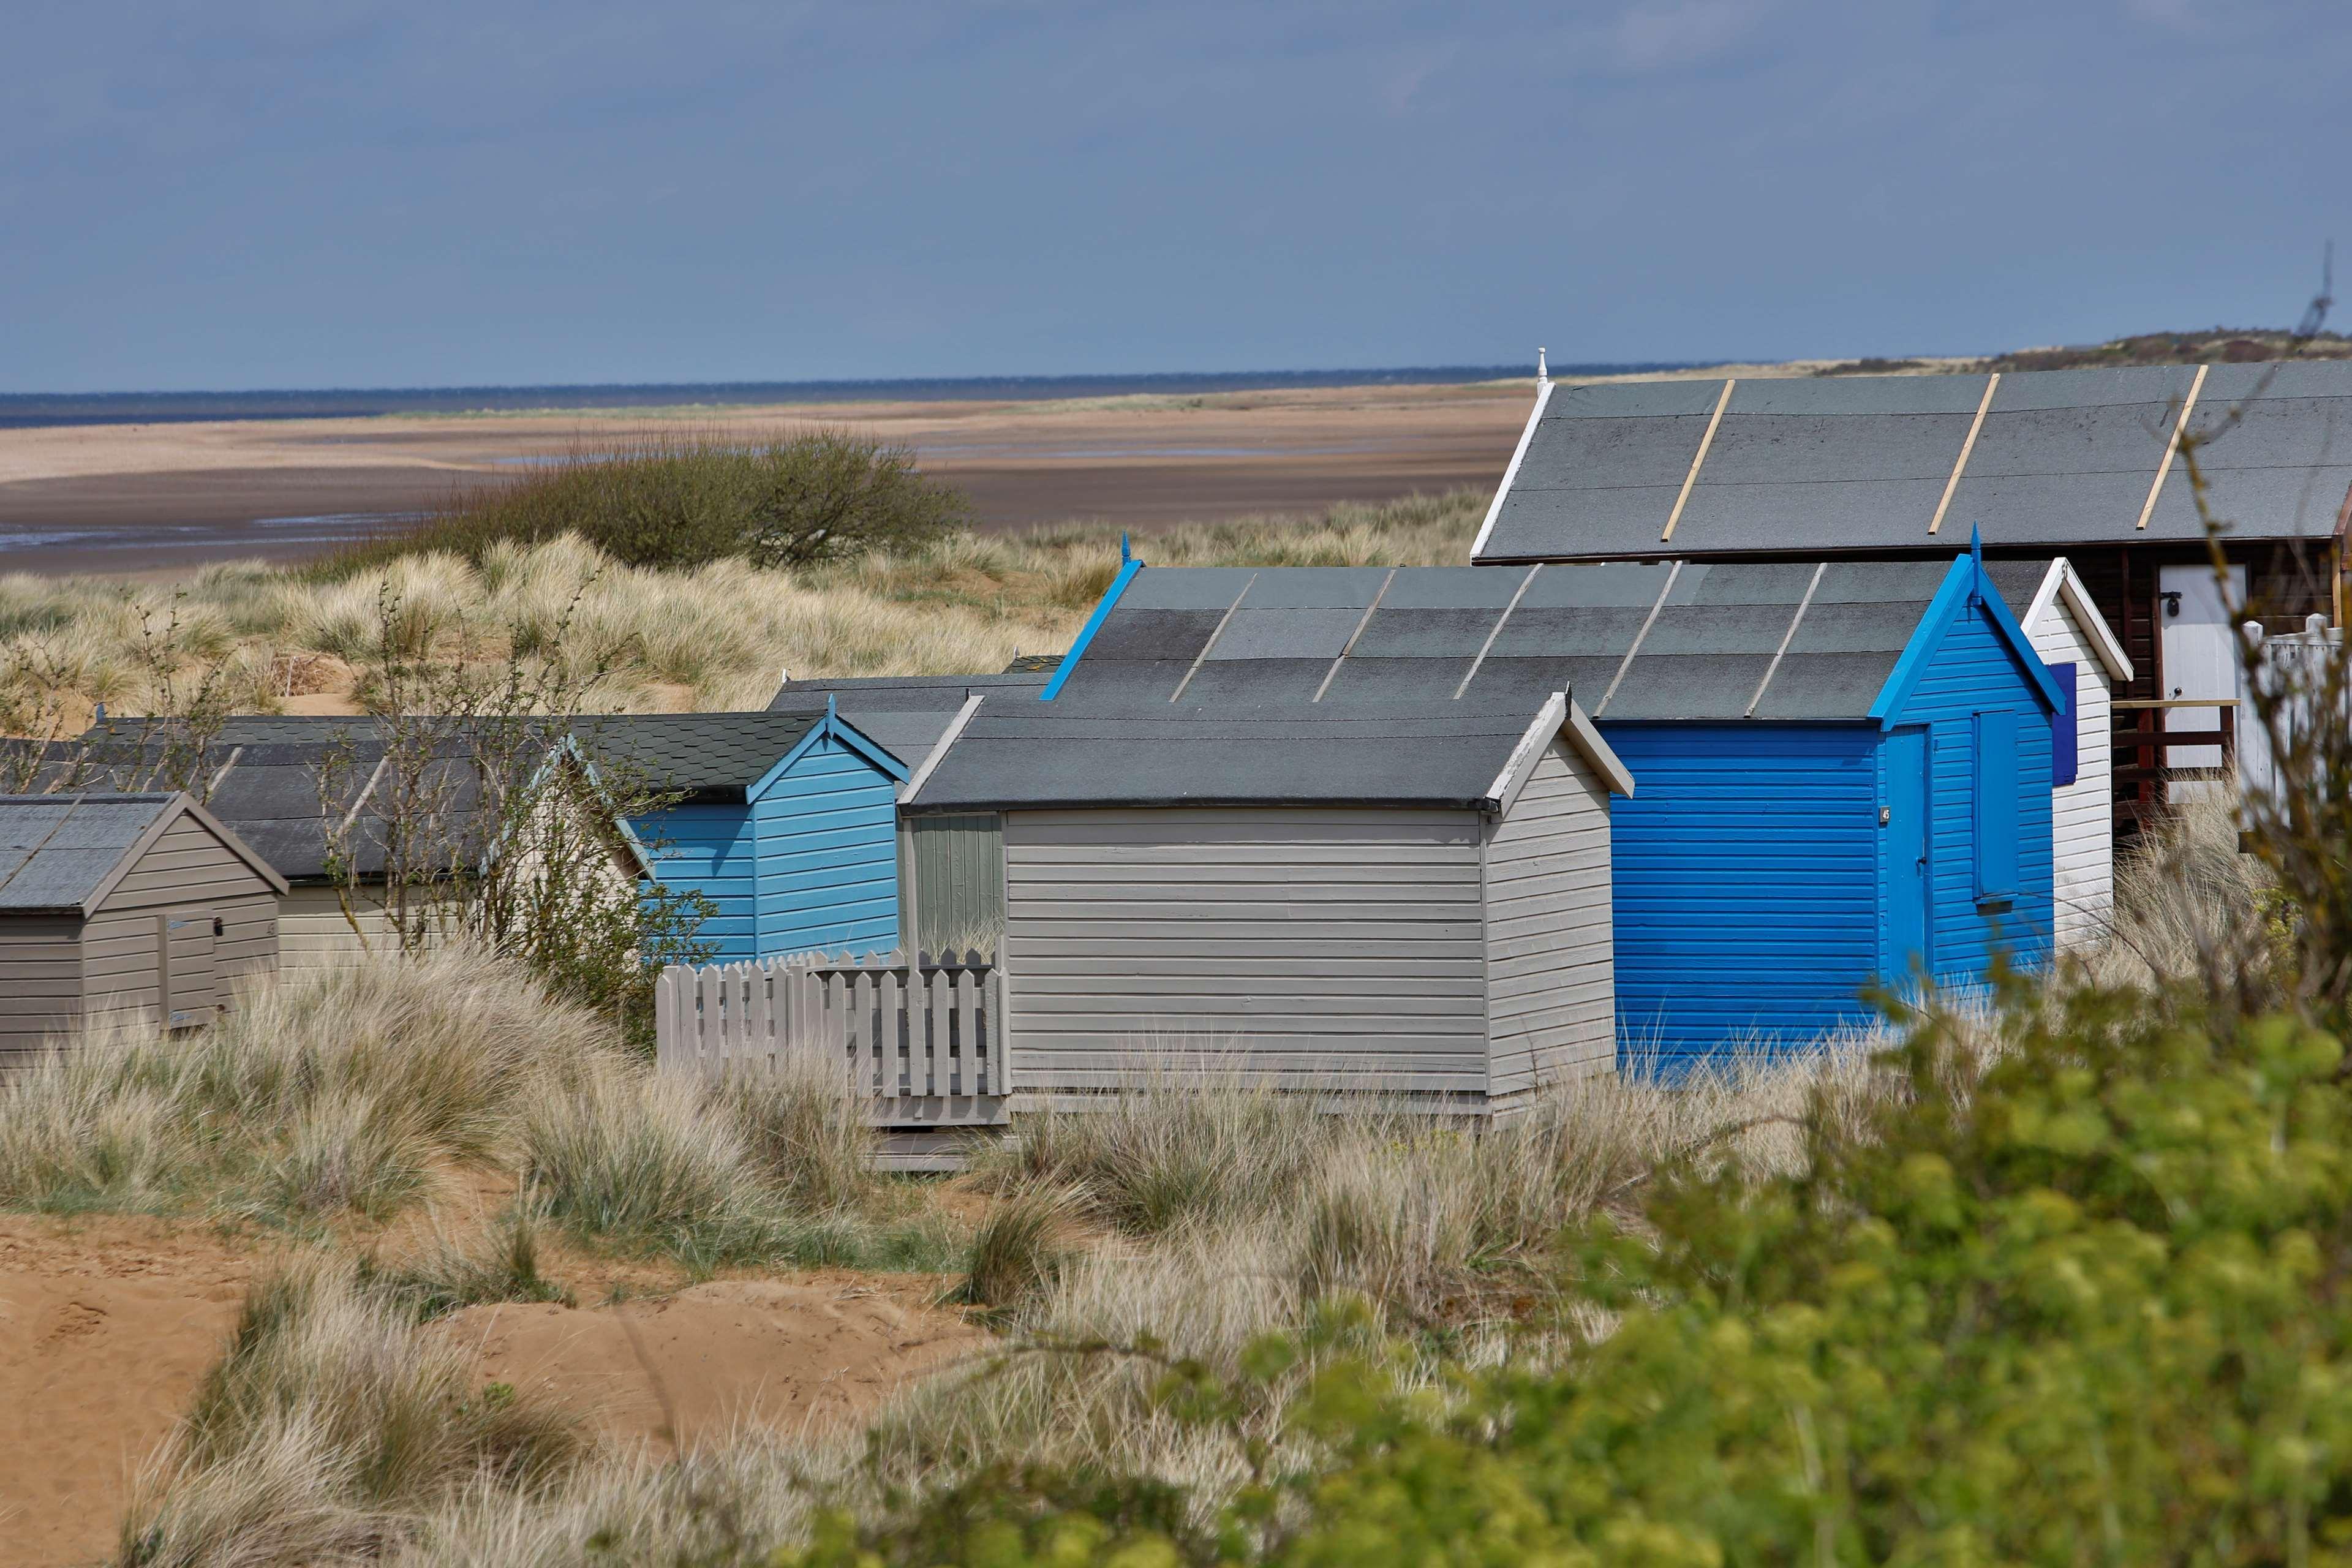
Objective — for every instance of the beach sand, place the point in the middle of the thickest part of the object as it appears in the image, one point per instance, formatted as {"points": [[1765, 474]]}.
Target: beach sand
{"points": [[149, 497]]}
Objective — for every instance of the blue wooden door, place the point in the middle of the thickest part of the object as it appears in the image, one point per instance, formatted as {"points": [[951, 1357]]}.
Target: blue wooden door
{"points": [[1905, 950]]}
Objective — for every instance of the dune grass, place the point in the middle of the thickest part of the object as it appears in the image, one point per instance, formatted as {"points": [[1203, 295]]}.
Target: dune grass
{"points": [[330, 1424], [716, 636], [1219, 1216], [337, 1091], [350, 1094]]}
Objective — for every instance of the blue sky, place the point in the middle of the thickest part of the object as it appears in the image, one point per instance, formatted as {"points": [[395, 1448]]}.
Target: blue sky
{"points": [[231, 194]]}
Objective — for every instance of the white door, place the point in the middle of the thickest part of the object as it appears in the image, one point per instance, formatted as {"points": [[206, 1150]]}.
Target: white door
{"points": [[2201, 659]]}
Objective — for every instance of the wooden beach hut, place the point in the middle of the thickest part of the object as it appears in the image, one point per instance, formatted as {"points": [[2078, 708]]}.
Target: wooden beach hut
{"points": [[1411, 898], [313, 796], [950, 866], [2081, 463], [787, 822], [2089, 665], [112, 900], [1845, 767]]}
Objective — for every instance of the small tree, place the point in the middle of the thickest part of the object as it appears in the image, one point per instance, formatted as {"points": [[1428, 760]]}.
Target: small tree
{"points": [[472, 801]]}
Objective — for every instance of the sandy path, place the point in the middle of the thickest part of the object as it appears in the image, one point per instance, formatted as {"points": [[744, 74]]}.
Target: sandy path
{"points": [[108, 1325], [688, 1368]]}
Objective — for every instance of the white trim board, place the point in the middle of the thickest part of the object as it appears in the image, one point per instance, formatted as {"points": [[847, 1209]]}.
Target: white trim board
{"points": [[1519, 454]]}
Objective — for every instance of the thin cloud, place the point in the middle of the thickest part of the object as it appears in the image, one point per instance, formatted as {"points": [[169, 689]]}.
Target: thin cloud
{"points": [[1656, 36]]}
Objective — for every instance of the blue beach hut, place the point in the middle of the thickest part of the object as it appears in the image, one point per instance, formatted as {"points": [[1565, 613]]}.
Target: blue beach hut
{"points": [[785, 822], [1845, 782], [1845, 766]]}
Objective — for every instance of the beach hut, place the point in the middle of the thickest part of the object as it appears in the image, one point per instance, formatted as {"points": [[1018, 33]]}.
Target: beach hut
{"points": [[314, 795], [950, 866], [1407, 898], [2088, 664], [1845, 767], [2084, 463], [787, 822], [124, 901]]}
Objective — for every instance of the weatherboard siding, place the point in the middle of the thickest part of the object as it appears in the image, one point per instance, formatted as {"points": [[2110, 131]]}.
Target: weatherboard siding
{"points": [[186, 872], [1745, 872], [1551, 993], [40, 961], [315, 932], [1973, 669], [1301, 946], [827, 855], [812, 864], [2083, 846], [711, 849]]}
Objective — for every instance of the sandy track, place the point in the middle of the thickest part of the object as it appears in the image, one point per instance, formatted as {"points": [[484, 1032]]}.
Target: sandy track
{"points": [[796, 1356], [108, 1325]]}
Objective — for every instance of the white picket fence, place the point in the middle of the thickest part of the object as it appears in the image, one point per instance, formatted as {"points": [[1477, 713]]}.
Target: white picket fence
{"points": [[923, 1041]]}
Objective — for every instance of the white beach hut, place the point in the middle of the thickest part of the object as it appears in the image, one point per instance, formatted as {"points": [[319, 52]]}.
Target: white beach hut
{"points": [[2075, 641]]}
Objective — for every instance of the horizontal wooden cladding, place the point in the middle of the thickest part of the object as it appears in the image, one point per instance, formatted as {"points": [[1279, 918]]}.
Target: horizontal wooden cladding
{"points": [[1302, 945], [186, 865], [1551, 963]]}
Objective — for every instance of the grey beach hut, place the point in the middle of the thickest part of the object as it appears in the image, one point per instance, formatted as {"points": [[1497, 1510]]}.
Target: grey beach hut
{"points": [[124, 901], [1408, 899]]}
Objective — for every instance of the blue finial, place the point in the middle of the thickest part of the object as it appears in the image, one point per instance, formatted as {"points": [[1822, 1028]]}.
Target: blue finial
{"points": [[1976, 559], [1125, 554], [829, 708]]}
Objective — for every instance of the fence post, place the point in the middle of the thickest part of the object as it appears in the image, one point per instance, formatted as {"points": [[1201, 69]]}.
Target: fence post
{"points": [[1000, 1033], [666, 1017], [761, 1018]]}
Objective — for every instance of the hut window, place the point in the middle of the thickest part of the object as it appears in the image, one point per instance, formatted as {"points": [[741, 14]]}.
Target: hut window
{"points": [[2065, 760], [1996, 805]]}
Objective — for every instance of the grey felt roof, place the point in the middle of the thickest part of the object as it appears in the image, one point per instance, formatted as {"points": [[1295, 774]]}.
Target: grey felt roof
{"points": [[1665, 640], [905, 714], [1860, 463], [272, 793], [1020, 753], [703, 756], [55, 849]]}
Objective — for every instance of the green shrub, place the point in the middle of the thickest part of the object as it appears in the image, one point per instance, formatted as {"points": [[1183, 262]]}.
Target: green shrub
{"points": [[679, 501]]}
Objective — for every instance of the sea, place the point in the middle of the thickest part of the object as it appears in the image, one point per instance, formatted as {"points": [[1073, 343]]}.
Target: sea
{"points": [[22, 410]]}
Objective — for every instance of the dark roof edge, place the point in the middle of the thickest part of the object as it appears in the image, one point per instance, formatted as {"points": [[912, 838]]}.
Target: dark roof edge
{"points": [[1158, 803]]}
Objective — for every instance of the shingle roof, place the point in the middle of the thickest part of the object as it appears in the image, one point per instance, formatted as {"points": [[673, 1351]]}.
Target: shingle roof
{"points": [[905, 714], [278, 795], [55, 849], [1019, 752], [1666, 640], [1852, 463], [702, 756]]}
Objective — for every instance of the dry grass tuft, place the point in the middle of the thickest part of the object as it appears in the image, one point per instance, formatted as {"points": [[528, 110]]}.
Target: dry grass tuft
{"points": [[336, 1090], [328, 1426]]}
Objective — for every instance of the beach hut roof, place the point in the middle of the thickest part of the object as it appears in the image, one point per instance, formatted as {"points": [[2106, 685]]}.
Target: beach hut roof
{"points": [[1014, 752], [722, 757], [280, 780], [2033, 587], [65, 852], [1668, 640], [905, 713], [1825, 465]]}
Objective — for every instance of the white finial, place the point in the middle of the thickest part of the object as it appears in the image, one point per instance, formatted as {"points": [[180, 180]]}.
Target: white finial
{"points": [[1543, 373], [786, 677]]}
